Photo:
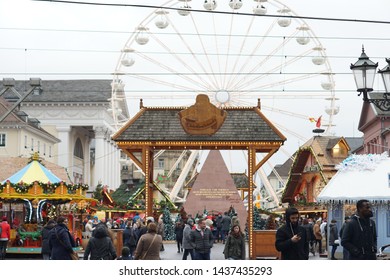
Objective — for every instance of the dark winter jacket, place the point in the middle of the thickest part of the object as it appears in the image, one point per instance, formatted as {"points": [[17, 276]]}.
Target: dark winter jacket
{"points": [[61, 242], [309, 232], [130, 238], [235, 247], [226, 221], [360, 239], [284, 244], [218, 222], [333, 234], [179, 232], [45, 238], [100, 246], [202, 244]]}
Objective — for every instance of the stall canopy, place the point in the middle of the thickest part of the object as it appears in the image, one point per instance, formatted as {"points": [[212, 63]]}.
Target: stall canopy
{"points": [[32, 172], [359, 177]]}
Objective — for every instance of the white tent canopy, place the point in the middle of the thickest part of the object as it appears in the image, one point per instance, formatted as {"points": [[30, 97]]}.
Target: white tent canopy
{"points": [[359, 177]]}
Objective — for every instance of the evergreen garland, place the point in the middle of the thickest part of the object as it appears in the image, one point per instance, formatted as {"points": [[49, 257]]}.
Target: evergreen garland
{"points": [[169, 227]]}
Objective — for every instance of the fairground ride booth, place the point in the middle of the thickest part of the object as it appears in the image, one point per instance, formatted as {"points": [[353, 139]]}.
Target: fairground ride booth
{"points": [[31, 197], [360, 177]]}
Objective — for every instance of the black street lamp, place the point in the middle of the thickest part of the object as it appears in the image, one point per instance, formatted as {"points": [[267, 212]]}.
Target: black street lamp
{"points": [[364, 73]]}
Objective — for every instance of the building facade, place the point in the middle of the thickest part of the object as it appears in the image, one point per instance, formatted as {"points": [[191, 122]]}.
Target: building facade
{"points": [[77, 113]]}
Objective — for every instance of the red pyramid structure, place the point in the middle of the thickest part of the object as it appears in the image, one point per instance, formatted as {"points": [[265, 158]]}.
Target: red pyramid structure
{"points": [[214, 190]]}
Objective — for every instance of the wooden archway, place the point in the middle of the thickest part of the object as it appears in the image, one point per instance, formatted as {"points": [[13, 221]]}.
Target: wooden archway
{"points": [[199, 128]]}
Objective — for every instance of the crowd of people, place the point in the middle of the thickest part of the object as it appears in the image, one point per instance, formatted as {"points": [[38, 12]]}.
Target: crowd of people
{"points": [[143, 239], [297, 238]]}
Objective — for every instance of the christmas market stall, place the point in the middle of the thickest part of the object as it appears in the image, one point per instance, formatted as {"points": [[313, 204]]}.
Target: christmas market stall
{"points": [[31, 197], [361, 177]]}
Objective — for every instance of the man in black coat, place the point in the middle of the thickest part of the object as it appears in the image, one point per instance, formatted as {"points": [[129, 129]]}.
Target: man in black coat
{"points": [[359, 235], [291, 238], [201, 239]]}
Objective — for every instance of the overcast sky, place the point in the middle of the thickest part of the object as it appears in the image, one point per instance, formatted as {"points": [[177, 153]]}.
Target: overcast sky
{"points": [[68, 41]]}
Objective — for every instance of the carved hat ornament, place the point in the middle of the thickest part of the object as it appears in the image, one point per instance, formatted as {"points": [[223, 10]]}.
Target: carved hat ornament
{"points": [[202, 118]]}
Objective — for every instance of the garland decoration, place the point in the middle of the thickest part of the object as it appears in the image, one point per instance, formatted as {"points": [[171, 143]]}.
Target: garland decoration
{"points": [[21, 187]]}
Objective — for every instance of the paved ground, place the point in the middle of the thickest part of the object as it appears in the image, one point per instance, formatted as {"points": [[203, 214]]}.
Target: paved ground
{"points": [[171, 253]]}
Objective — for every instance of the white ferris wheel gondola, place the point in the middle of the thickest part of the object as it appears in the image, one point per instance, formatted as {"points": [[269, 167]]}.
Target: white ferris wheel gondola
{"points": [[210, 5], [185, 8], [260, 9], [319, 59], [128, 59], [284, 21], [304, 38], [235, 4], [161, 19], [141, 36]]}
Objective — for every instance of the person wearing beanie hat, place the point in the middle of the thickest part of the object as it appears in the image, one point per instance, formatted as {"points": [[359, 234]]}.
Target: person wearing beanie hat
{"points": [[4, 237]]}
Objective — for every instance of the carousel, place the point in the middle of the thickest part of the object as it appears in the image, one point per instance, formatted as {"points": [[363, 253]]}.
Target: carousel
{"points": [[32, 196]]}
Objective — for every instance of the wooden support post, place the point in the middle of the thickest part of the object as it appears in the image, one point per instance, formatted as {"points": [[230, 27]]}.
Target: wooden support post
{"points": [[251, 167], [147, 158]]}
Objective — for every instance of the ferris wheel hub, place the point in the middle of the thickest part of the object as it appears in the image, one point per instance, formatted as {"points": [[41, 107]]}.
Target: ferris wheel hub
{"points": [[222, 96]]}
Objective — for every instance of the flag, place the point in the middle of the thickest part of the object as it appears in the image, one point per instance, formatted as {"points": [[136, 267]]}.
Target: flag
{"points": [[312, 120], [318, 124]]}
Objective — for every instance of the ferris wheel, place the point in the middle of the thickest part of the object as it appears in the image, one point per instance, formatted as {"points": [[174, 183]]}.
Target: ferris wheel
{"points": [[236, 52]]}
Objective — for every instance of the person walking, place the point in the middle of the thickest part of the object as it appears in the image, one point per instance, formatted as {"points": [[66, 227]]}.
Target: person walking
{"points": [[100, 246], [89, 229], [309, 234], [4, 237], [129, 237], [149, 244], [225, 226], [235, 244], [61, 242], [188, 249], [161, 231], [317, 236], [291, 238], [179, 227], [333, 238], [359, 235], [45, 239], [218, 223], [202, 241], [345, 251]]}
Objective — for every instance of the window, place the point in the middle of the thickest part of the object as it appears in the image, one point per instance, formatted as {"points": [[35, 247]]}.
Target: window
{"points": [[161, 163], [44, 149], [39, 146], [32, 144], [339, 150], [78, 149], [25, 141], [2, 140], [49, 151]]}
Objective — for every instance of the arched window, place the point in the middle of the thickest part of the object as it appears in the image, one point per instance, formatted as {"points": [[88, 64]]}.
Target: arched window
{"points": [[78, 149]]}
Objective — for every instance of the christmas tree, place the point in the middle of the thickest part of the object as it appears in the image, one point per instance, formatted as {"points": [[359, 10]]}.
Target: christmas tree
{"points": [[169, 228], [258, 222]]}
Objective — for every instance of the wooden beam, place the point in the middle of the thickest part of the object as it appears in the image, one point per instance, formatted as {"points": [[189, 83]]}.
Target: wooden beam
{"points": [[260, 164], [135, 160]]}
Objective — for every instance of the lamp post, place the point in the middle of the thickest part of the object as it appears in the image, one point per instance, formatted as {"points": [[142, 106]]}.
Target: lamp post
{"points": [[364, 73]]}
